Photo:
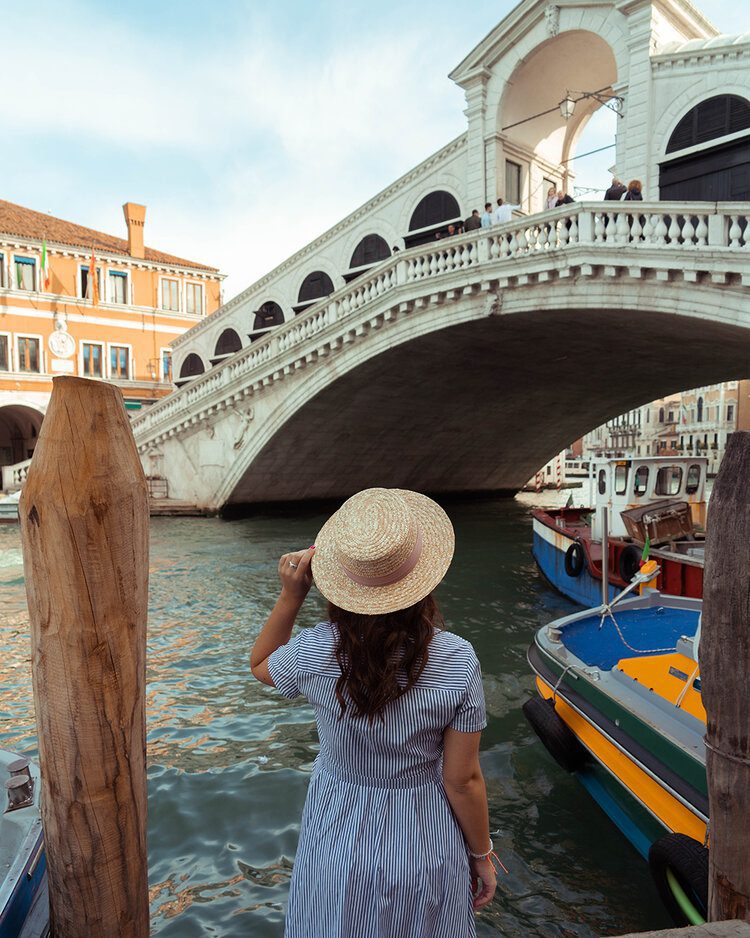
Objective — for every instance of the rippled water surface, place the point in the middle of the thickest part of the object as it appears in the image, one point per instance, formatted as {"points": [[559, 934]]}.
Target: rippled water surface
{"points": [[229, 761]]}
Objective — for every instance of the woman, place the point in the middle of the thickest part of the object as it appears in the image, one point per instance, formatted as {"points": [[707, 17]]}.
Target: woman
{"points": [[394, 833], [634, 191], [551, 197]]}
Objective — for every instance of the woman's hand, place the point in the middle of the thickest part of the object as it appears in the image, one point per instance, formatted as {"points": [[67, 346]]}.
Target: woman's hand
{"points": [[295, 573], [482, 870]]}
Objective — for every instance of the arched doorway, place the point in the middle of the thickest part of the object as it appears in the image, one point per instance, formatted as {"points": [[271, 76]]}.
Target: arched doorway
{"points": [[227, 344], [267, 317], [371, 250], [717, 168], [314, 287], [19, 430], [433, 214], [190, 368], [538, 145]]}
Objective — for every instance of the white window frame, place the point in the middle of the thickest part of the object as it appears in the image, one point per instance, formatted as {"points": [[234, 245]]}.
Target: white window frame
{"points": [[119, 272], [202, 288], [103, 346], [9, 337], [4, 268], [162, 350], [131, 361], [16, 352], [179, 295], [35, 289], [79, 288]]}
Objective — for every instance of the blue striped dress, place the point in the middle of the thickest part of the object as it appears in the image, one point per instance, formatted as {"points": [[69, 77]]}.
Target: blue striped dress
{"points": [[380, 853]]}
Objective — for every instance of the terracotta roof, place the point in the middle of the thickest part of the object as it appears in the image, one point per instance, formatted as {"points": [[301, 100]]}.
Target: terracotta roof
{"points": [[20, 222]]}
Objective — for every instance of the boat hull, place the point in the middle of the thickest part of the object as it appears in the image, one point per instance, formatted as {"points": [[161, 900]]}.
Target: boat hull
{"points": [[549, 549]]}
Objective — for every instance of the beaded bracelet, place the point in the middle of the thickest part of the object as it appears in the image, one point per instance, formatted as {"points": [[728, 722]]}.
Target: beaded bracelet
{"points": [[483, 856]]}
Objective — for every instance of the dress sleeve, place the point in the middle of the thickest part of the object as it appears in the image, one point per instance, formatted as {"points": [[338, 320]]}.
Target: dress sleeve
{"points": [[284, 669], [471, 716]]}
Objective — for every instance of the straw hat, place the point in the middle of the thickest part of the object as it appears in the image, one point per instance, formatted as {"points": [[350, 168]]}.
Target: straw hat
{"points": [[383, 550]]}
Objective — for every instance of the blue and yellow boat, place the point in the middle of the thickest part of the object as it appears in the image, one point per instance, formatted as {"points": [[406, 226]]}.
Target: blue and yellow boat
{"points": [[620, 705]]}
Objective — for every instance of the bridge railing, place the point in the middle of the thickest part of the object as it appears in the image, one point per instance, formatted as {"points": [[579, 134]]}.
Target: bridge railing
{"points": [[648, 227], [13, 477]]}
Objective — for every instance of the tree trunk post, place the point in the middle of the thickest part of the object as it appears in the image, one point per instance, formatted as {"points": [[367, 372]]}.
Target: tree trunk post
{"points": [[84, 528], [725, 683]]}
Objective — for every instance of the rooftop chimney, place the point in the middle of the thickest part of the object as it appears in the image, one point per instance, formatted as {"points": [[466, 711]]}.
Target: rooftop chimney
{"points": [[135, 216]]}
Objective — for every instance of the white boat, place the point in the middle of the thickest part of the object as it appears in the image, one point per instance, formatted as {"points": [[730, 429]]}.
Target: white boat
{"points": [[24, 904]]}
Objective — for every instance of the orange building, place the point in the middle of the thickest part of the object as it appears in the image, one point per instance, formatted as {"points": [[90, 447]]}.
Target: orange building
{"points": [[54, 319]]}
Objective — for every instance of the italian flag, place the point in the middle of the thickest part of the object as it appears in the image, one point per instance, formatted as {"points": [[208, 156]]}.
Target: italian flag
{"points": [[45, 265]]}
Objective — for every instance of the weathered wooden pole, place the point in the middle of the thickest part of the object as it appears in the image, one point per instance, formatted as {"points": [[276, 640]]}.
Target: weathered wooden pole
{"points": [[84, 527], [725, 683]]}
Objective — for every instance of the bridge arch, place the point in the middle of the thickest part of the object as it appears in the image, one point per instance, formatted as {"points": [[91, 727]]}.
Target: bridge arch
{"points": [[576, 60], [431, 214], [316, 285], [717, 168], [19, 430], [268, 315], [192, 366], [228, 343], [377, 406], [369, 250]]}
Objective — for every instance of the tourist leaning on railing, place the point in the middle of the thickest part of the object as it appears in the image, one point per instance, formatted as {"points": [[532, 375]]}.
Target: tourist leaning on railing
{"points": [[394, 837]]}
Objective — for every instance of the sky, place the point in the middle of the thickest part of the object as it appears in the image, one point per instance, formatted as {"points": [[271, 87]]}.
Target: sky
{"points": [[247, 128]]}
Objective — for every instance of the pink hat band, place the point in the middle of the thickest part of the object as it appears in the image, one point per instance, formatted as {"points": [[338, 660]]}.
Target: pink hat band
{"points": [[401, 571]]}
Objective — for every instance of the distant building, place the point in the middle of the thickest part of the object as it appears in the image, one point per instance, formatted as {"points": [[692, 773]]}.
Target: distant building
{"points": [[54, 320], [691, 423]]}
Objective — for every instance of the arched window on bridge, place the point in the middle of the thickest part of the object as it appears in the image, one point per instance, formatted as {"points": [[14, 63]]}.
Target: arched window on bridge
{"points": [[718, 165], [267, 317], [190, 368], [228, 343], [370, 250], [433, 214], [314, 287]]}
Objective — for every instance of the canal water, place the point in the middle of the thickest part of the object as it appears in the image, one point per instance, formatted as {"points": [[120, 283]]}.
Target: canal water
{"points": [[229, 760]]}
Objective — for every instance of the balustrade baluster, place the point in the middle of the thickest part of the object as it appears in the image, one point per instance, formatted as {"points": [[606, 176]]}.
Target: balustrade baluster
{"points": [[522, 242], [735, 232], [622, 229], [552, 235], [599, 227], [434, 263], [660, 229], [512, 244], [494, 248], [674, 231], [465, 256], [648, 229], [573, 233], [688, 233], [701, 232], [563, 232], [610, 232], [636, 229]]}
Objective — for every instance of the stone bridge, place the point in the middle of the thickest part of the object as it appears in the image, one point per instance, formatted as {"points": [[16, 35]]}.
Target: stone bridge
{"points": [[463, 365]]}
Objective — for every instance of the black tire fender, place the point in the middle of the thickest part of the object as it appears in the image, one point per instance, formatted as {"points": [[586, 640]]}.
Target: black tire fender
{"points": [[687, 860], [629, 562], [555, 735], [575, 559]]}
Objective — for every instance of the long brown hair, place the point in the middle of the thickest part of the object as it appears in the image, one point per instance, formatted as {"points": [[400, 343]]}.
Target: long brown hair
{"points": [[373, 650]]}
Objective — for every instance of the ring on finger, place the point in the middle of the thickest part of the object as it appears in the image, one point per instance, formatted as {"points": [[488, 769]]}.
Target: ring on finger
{"points": [[292, 564]]}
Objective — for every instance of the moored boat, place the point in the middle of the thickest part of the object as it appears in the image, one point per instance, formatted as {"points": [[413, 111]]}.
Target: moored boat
{"points": [[24, 911], [659, 500], [620, 705]]}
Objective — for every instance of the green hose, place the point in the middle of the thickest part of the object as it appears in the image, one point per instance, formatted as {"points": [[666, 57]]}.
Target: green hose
{"points": [[687, 907]]}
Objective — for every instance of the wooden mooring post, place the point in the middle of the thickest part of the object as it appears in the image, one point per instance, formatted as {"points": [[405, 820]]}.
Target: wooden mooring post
{"points": [[84, 527], [725, 683]]}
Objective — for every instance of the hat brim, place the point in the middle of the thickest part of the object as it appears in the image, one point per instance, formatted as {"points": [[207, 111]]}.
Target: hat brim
{"points": [[438, 543]]}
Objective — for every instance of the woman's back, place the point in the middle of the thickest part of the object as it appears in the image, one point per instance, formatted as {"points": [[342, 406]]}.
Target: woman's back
{"points": [[405, 747]]}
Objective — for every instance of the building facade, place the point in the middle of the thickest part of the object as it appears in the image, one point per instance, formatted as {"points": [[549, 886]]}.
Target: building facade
{"points": [[55, 318], [697, 422]]}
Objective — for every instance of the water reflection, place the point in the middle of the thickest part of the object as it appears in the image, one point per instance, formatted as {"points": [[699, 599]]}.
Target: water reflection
{"points": [[229, 760]]}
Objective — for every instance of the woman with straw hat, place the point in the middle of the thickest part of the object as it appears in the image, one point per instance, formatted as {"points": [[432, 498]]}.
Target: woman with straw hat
{"points": [[394, 839]]}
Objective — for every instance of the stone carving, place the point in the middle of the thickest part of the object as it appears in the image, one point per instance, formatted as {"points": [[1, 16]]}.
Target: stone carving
{"points": [[552, 16]]}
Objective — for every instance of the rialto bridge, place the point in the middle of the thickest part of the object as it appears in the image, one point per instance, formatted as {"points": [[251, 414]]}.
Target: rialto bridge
{"points": [[379, 355], [465, 364]]}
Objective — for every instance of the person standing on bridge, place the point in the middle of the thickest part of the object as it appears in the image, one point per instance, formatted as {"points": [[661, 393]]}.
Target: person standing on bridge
{"points": [[394, 837], [503, 213], [473, 221], [486, 219]]}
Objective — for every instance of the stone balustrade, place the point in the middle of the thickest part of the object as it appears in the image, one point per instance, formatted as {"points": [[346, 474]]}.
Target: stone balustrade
{"points": [[688, 239], [14, 476]]}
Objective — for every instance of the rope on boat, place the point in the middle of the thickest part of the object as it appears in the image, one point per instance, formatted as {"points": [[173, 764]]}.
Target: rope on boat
{"points": [[639, 651]]}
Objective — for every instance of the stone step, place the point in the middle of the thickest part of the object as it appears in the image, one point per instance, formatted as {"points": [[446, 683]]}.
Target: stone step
{"points": [[732, 929]]}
